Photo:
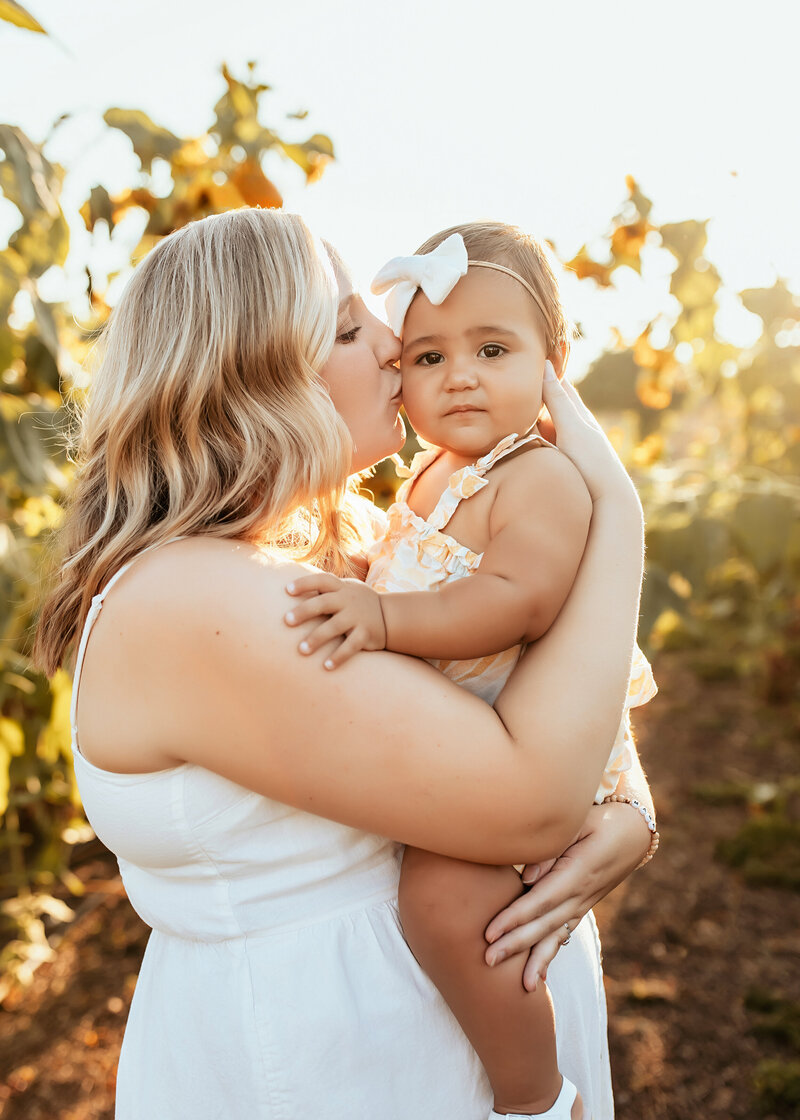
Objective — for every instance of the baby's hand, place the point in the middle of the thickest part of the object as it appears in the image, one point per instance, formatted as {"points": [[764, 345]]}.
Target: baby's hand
{"points": [[345, 608]]}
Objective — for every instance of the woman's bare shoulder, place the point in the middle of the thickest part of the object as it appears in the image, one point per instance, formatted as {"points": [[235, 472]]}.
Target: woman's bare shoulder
{"points": [[176, 624], [189, 575]]}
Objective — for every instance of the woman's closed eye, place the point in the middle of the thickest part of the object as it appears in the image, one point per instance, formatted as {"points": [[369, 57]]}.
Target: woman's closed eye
{"points": [[346, 336]]}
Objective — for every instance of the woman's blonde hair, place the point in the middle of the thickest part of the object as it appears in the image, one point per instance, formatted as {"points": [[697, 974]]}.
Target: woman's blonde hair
{"points": [[517, 250], [207, 414]]}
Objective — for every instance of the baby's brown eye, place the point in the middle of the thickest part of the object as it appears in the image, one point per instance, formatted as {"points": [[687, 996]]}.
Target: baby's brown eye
{"points": [[491, 350], [429, 359]]}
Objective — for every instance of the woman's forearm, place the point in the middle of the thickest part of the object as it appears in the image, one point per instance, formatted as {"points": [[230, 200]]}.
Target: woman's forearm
{"points": [[572, 682], [634, 785]]}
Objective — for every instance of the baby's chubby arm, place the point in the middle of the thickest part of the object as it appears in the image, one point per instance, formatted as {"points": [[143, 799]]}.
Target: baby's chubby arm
{"points": [[538, 527]]}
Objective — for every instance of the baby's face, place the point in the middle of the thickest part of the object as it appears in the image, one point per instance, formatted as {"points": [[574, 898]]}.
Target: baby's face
{"points": [[473, 366]]}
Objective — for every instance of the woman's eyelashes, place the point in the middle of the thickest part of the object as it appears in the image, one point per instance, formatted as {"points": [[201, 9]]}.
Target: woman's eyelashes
{"points": [[346, 336]]}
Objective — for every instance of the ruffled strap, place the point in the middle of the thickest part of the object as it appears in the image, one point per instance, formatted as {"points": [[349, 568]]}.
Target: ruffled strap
{"points": [[421, 461], [641, 686], [469, 480], [641, 689]]}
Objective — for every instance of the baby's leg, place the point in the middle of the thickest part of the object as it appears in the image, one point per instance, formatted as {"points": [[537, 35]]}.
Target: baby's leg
{"points": [[445, 906]]}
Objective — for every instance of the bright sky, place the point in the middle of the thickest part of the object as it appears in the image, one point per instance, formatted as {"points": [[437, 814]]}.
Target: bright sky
{"points": [[443, 111]]}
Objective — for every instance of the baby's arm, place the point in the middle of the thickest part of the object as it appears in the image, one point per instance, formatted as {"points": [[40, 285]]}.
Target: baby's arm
{"points": [[538, 527]]}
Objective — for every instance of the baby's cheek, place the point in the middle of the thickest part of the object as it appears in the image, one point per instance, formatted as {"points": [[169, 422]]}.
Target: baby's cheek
{"points": [[411, 394], [418, 415]]}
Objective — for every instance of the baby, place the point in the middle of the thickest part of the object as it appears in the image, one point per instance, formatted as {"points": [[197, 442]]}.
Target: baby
{"points": [[494, 520]]}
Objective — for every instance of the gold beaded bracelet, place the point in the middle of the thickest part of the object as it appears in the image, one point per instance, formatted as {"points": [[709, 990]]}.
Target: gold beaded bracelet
{"points": [[649, 820]]}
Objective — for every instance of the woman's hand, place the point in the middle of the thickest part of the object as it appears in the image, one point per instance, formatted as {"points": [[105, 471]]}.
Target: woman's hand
{"points": [[581, 438], [611, 844]]}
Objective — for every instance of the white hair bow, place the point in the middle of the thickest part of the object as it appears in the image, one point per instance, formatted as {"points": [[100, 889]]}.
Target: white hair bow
{"points": [[437, 273]]}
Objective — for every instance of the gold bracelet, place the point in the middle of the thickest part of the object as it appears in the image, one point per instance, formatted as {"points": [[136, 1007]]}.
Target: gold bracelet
{"points": [[649, 820]]}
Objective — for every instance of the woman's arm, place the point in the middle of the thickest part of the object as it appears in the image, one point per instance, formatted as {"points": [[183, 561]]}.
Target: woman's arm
{"points": [[386, 743], [612, 843]]}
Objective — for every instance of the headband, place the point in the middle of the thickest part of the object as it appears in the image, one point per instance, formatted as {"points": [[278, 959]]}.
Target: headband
{"points": [[436, 273]]}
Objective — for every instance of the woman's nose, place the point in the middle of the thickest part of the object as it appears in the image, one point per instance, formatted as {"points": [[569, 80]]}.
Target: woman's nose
{"points": [[390, 347]]}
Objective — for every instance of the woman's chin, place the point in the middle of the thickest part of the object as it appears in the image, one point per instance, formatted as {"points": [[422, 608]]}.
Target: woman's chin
{"points": [[363, 461]]}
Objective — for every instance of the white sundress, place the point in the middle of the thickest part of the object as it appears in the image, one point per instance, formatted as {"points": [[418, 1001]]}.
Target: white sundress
{"points": [[276, 984]]}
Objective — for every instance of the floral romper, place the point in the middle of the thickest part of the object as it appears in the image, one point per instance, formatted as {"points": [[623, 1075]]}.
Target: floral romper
{"points": [[416, 554]]}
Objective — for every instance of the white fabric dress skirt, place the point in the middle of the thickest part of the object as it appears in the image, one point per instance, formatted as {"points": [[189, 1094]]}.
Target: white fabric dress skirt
{"points": [[277, 985]]}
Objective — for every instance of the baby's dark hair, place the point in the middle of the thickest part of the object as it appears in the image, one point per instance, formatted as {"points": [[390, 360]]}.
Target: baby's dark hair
{"points": [[517, 250]]}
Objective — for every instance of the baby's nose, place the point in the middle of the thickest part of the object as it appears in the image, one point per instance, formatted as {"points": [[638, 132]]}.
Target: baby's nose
{"points": [[461, 374]]}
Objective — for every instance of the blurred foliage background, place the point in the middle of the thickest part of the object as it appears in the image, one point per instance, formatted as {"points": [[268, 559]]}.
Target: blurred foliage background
{"points": [[709, 430]]}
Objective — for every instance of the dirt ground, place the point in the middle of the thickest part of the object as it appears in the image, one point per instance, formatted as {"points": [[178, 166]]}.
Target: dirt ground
{"points": [[695, 958]]}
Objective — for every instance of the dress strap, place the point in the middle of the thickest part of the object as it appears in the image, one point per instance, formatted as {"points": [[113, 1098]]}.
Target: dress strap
{"points": [[508, 446], [91, 618], [469, 480]]}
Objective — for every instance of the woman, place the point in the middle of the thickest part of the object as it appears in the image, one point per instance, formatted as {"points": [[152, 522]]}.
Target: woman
{"points": [[247, 792]]}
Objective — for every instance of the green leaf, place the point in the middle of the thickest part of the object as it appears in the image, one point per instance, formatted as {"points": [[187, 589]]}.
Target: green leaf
{"points": [[55, 740], [12, 270], [12, 745], [685, 240], [642, 203], [27, 179], [29, 440], [41, 366], [48, 331], [312, 156], [14, 13], [694, 288], [236, 122], [149, 139], [98, 208], [773, 305], [42, 242]]}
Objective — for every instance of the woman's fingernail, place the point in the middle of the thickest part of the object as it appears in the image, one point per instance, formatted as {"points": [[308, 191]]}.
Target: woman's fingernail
{"points": [[530, 878], [289, 617], [496, 958], [329, 664], [305, 647], [549, 372], [290, 587]]}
